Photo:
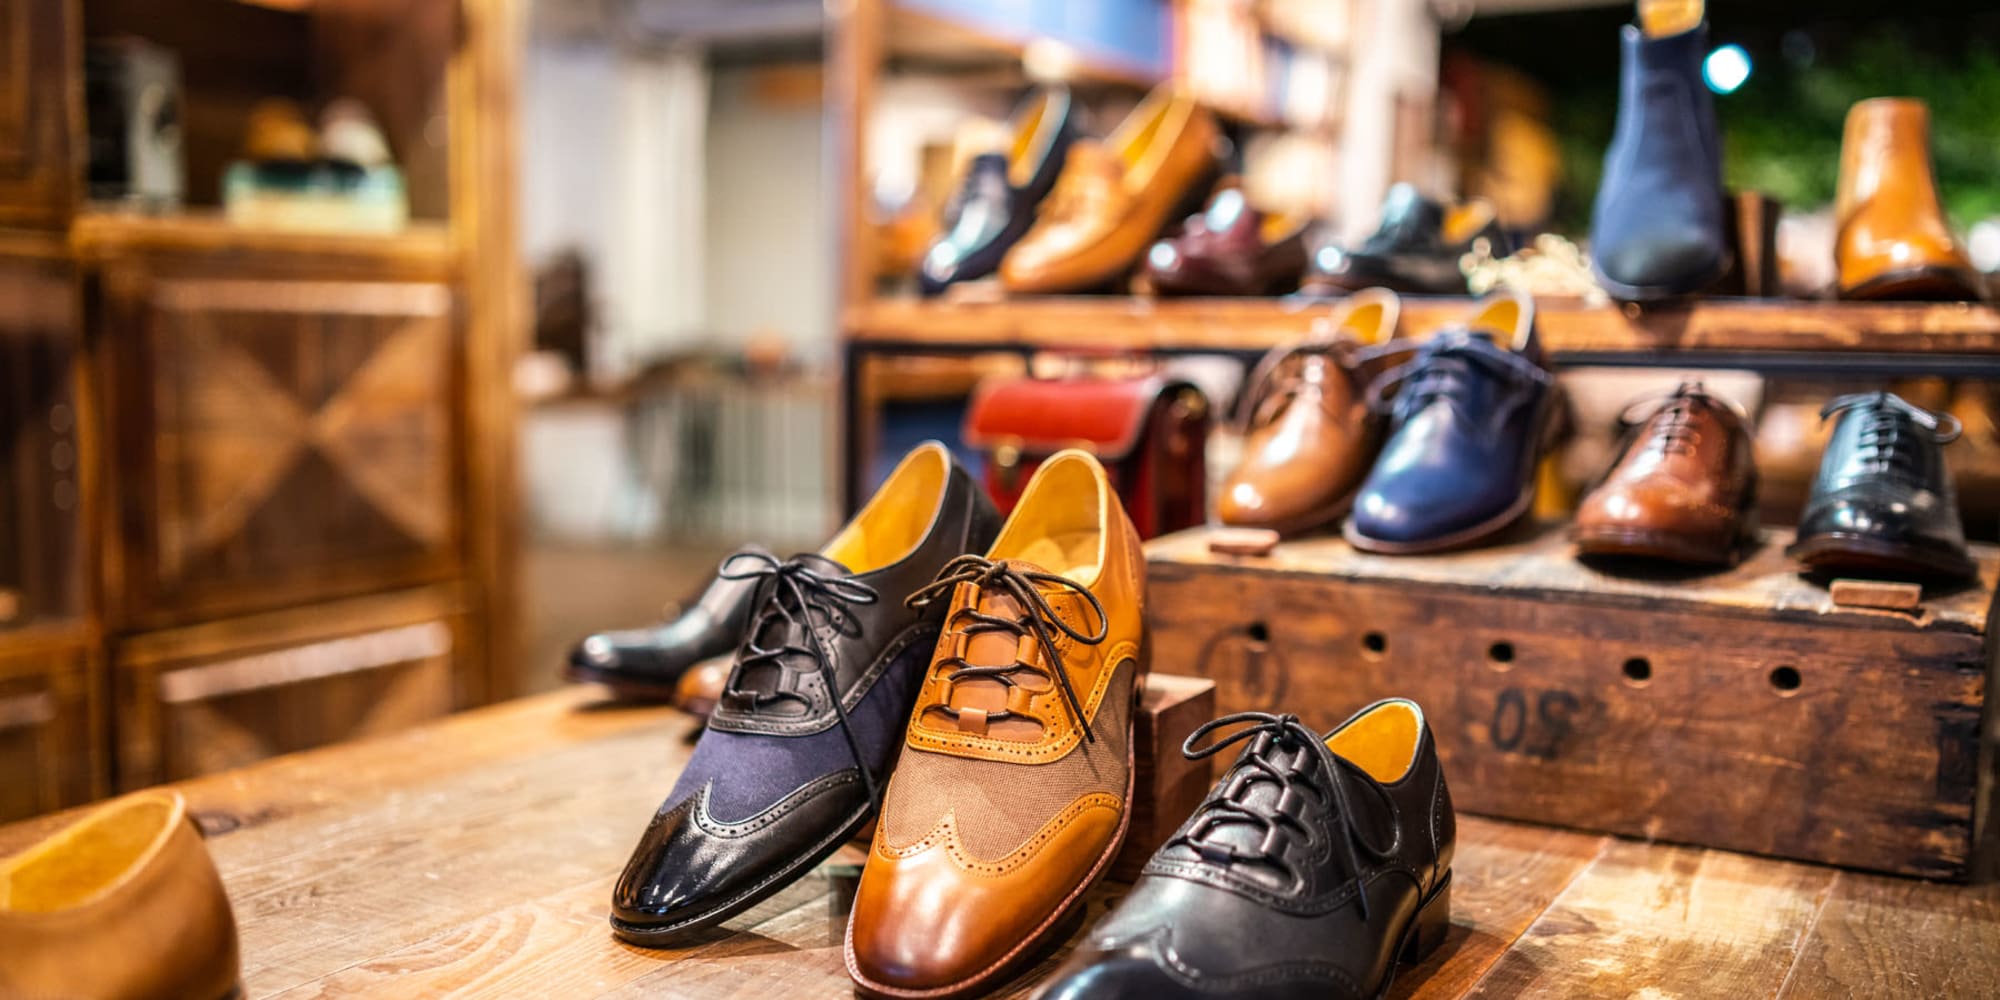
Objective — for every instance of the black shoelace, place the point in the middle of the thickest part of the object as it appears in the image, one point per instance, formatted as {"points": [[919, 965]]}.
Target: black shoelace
{"points": [[1441, 369], [1257, 764], [1892, 437], [793, 590], [1021, 585]]}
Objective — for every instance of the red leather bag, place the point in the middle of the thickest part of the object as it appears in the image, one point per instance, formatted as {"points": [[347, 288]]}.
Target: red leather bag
{"points": [[1151, 433]]}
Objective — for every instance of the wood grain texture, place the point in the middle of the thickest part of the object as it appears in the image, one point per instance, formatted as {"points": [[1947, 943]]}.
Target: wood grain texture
{"points": [[1124, 324], [1561, 694], [41, 114], [1665, 922], [473, 857], [1882, 938], [1169, 786]]}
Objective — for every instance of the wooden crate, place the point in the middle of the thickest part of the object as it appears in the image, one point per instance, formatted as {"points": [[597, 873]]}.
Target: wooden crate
{"points": [[1740, 709]]}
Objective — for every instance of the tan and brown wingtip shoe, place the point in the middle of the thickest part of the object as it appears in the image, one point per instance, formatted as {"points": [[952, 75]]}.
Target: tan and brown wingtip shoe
{"points": [[1013, 791]]}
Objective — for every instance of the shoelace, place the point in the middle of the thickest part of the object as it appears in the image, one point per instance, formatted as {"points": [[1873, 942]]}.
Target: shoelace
{"points": [[1440, 369], [1674, 433], [1021, 585], [793, 590], [1256, 764], [1271, 384], [1889, 441]]}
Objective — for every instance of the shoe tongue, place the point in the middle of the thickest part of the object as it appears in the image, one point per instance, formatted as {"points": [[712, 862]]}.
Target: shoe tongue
{"points": [[998, 648], [1091, 159]]}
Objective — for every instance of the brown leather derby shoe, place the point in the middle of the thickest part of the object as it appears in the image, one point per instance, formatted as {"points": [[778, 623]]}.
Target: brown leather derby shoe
{"points": [[1307, 439], [1682, 490], [123, 905]]}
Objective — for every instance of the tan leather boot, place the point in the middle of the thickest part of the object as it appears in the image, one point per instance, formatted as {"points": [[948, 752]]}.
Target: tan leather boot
{"points": [[1893, 240], [123, 905]]}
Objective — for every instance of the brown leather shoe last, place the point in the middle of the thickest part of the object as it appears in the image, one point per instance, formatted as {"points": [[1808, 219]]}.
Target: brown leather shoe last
{"points": [[1307, 439], [1114, 198], [1683, 490], [123, 905], [1894, 242], [1011, 795]]}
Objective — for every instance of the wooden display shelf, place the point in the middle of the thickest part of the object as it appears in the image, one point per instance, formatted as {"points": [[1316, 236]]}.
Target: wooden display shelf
{"points": [[1740, 709], [105, 234], [475, 857], [1741, 331]]}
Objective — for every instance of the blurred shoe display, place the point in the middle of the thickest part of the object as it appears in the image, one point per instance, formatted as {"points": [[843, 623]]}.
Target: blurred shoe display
{"points": [[277, 133], [1000, 192], [1894, 242], [1115, 197], [1308, 435], [1418, 248], [123, 904], [1231, 248]]}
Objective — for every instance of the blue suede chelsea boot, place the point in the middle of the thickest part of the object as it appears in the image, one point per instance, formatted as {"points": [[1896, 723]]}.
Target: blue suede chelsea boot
{"points": [[1657, 230]]}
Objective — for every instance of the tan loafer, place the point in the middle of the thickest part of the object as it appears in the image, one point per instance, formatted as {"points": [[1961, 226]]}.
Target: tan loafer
{"points": [[123, 905]]}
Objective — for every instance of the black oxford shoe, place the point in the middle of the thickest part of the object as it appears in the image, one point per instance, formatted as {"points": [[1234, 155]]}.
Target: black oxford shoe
{"points": [[1883, 503], [645, 664], [1314, 866]]}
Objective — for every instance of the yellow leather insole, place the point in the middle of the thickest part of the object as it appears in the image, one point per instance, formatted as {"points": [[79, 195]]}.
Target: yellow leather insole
{"points": [[1502, 318], [1383, 742], [898, 516], [1465, 221], [1058, 523], [1020, 159], [80, 862]]}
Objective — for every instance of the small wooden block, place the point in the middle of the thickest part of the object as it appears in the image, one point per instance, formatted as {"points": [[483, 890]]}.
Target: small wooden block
{"points": [[1242, 541], [1885, 594], [1166, 785]]}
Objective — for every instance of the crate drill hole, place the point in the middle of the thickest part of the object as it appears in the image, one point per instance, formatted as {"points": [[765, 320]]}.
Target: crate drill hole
{"points": [[1375, 643], [1500, 654], [1638, 670], [1258, 632], [1786, 680]]}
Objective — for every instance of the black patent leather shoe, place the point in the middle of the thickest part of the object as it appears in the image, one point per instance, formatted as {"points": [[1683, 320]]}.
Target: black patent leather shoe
{"points": [[999, 194], [799, 747], [1883, 503], [1416, 249], [1312, 868], [645, 664]]}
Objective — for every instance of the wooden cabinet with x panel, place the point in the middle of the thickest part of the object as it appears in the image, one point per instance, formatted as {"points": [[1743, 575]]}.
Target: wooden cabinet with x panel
{"points": [[255, 484]]}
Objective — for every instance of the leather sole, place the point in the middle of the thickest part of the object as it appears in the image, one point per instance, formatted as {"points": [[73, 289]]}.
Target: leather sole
{"points": [[1918, 284], [1309, 522], [669, 934], [1046, 933], [1660, 293], [1835, 551], [1426, 932], [1666, 546]]}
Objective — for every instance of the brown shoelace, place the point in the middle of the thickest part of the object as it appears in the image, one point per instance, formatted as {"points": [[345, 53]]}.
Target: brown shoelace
{"points": [[1021, 585]]}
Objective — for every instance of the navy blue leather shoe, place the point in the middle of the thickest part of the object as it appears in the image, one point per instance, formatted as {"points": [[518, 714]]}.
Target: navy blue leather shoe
{"points": [[1470, 411], [996, 201], [801, 743], [1658, 229]]}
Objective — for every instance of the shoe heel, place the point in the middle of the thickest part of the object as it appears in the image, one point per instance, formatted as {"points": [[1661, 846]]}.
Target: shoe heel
{"points": [[1432, 927]]}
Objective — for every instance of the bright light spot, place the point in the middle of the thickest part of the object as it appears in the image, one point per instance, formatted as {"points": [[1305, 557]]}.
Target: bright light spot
{"points": [[1726, 68]]}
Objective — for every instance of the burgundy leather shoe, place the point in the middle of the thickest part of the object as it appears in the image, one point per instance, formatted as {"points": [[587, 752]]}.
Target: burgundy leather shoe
{"points": [[1231, 248]]}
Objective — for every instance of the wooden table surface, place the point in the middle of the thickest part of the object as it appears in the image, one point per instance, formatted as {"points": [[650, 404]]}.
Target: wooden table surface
{"points": [[475, 857]]}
